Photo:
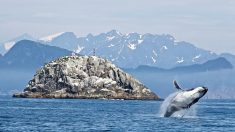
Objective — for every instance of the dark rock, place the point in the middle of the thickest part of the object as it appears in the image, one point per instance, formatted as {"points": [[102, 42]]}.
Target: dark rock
{"points": [[85, 78]]}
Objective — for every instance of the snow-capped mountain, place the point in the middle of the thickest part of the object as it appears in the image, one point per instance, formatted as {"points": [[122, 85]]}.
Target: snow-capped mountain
{"points": [[66, 40], [133, 49], [51, 37], [5, 46]]}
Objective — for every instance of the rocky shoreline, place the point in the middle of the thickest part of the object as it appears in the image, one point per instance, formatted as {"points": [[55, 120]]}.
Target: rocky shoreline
{"points": [[83, 77]]}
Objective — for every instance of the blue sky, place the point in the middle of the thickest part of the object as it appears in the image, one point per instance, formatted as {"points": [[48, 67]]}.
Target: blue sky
{"points": [[209, 24]]}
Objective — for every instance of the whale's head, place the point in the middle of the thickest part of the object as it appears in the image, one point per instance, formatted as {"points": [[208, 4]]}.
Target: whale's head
{"points": [[196, 93]]}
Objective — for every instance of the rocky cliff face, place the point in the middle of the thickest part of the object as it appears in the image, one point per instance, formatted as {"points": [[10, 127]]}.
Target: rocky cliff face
{"points": [[84, 77]]}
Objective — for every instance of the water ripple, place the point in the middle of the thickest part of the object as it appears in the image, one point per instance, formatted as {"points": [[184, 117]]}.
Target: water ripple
{"points": [[110, 115]]}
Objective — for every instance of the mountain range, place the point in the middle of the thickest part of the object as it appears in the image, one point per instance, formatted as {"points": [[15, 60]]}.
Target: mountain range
{"points": [[155, 60], [133, 49], [27, 54], [129, 50]]}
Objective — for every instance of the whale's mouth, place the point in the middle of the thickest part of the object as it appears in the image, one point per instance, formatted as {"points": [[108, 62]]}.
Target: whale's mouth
{"points": [[203, 91]]}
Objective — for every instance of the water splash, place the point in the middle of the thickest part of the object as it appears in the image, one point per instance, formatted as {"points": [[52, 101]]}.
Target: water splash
{"points": [[166, 103], [186, 113]]}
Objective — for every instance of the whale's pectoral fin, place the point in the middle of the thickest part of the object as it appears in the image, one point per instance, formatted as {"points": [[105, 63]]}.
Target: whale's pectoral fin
{"points": [[177, 86], [171, 111]]}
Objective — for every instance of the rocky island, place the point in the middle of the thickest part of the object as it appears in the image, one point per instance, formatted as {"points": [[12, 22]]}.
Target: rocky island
{"points": [[84, 77]]}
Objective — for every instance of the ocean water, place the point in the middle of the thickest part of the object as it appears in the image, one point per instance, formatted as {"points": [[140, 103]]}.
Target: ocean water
{"points": [[21, 114]]}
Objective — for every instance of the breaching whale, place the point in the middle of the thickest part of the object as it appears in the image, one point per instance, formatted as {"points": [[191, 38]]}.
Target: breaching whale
{"points": [[184, 99]]}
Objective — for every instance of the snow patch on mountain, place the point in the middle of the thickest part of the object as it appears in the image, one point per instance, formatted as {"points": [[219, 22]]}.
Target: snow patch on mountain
{"points": [[155, 53], [79, 49], [110, 38], [119, 33], [111, 45], [154, 60], [132, 46], [180, 59], [8, 45], [51, 37], [164, 48], [5, 46], [140, 41], [195, 58]]}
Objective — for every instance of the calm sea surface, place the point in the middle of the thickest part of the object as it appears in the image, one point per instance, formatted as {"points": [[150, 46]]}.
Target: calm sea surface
{"points": [[110, 115]]}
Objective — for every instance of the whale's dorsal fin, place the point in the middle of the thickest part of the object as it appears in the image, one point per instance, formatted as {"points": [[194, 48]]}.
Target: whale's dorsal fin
{"points": [[177, 86]]}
